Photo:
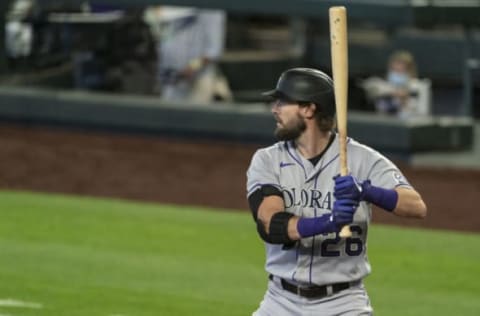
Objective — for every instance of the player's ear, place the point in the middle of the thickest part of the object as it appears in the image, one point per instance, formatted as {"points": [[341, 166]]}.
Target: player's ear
{"points": [[310, 110]]}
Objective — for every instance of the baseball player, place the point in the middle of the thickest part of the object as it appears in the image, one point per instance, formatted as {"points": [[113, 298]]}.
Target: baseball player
{"points": [[300, 203]]}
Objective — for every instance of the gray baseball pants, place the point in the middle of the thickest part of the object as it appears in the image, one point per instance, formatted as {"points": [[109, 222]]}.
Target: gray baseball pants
{"points": [[353, 301]]}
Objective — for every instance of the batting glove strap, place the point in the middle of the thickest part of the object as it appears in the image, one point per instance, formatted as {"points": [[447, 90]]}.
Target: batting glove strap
{"points": [[384, 198], [308, 227]]}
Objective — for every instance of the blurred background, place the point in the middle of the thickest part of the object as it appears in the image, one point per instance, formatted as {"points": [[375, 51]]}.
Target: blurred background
{"points": [[160, 101], [117, 49]]}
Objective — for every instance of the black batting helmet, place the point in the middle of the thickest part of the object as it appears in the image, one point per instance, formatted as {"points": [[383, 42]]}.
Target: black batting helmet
{"points": [[306, 85]]}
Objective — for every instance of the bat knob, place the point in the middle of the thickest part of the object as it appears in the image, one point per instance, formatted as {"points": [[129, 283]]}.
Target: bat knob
{"points": [[345, 232]]}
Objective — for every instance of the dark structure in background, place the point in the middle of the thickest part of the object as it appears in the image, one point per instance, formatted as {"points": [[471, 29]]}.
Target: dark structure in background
{"points": [[265, 37], [3, 8], [85, 47], [31, 42], [118, 56]]}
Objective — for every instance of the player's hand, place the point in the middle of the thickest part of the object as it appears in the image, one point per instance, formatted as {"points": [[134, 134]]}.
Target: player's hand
{"points": [[343, 211], [187, 73], [348, 187]]}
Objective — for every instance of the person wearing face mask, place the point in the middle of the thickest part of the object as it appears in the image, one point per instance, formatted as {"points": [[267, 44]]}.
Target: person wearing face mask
{"points": [[401, 93]]}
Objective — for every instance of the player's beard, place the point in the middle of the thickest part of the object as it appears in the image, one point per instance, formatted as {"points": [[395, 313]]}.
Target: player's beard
{"points": [[292, 130]]}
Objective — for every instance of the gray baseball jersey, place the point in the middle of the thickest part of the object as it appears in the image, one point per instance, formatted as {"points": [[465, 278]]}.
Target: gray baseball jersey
{"points": [[308, 192]]}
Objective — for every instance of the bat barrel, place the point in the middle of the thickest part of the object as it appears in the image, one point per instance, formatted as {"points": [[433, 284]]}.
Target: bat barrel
{"points": [[339, 54]]}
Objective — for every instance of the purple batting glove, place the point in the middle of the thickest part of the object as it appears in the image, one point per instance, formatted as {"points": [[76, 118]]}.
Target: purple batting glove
{"points": [[348, 187], [343, 211]]}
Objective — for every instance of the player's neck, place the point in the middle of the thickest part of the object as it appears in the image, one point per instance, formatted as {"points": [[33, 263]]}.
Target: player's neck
{"points": [[312, 142]]}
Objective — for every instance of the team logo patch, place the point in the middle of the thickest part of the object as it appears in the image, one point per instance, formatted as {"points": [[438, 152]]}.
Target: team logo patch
{"points": [[399, 178]]}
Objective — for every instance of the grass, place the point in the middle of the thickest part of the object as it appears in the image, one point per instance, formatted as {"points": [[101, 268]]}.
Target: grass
{"points": [[84, 256]]}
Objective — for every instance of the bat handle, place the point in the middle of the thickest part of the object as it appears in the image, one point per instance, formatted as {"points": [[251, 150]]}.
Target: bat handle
{"points": [[345, 232]]}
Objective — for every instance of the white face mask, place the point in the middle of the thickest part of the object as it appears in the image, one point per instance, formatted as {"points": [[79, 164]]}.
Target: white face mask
{"points": [[398, 79]]}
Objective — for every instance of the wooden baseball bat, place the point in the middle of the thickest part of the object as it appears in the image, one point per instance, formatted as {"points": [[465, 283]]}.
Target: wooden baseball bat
{"points": [[339, 52]]}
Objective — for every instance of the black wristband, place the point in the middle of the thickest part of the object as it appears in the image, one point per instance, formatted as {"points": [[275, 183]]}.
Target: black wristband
{"points": [[279, 228]]}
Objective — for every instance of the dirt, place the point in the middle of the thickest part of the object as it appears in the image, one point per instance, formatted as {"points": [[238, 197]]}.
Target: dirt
{"points": [[152, 168]]}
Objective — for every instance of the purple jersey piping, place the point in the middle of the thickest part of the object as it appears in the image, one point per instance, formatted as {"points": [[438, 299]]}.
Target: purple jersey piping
{"points": [[315, 213], [314, 209], [297, 159], [313, 238], [328, 163]]}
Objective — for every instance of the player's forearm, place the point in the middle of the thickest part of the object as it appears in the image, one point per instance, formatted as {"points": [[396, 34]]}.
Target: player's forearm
{"points": [[401, 201], [268, 207], [278, 226], [302, 227], [265, 214], [410, 204], [296, 228], [292, 229]]}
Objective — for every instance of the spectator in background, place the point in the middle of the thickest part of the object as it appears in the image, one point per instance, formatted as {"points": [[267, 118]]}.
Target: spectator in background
{"points": [[401, 93], [190, 42], [19, 32]]}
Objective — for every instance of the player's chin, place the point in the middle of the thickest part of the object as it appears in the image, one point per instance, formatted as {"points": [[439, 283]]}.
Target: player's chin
{"points": [[278, 132], [284, 134], [290, 132]]}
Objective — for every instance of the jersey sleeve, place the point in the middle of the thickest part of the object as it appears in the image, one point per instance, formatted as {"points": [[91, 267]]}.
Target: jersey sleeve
{"points": [[383, 173], [214, 38], [261, 172]]}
